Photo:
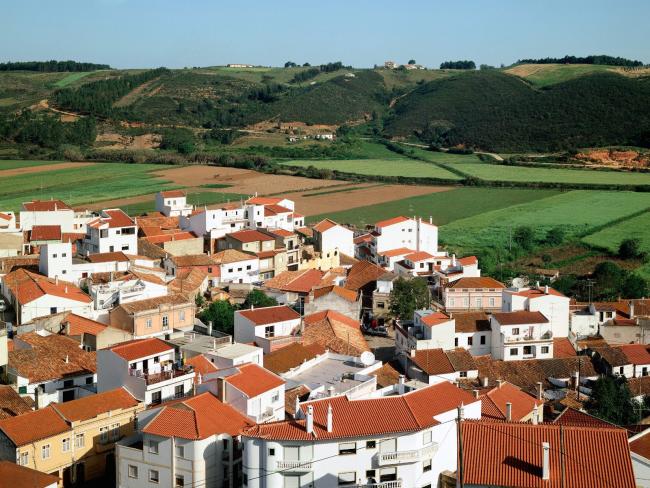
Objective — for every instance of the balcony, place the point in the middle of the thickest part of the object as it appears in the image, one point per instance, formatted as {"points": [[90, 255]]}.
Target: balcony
{"points": [[383, 484], [293, 466], [406, 457], [153, 378], [534, 337]]}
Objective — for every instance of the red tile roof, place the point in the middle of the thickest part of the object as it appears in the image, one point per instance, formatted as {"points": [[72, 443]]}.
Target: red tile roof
{"points": [[472, 322], [250, 235], [198, 417], [275, 209], [201, 365], [173, 194], [636, 353], [295, 281], [5, 216], [369, 417], [493, 406], [418, 256], [325, 225], [264, 200], [362, 238], [641, 444], [435, 318], [393, 221], [24, 477], [11, 403], [400, 251], [291, 356], [433, 361], [27, 287], [176, 236], [562, 348], [253, 380], [117, 218], [468, 260], [362, 273], [334, 331], [575, 418], [45, 206], [349, 295], [538, 292], [45, 233], [514, 457], [141, 348], [281, 232], [33, 426], [232, 256], [478, 282], [81, 325], [107, 257], [92, 406], [520, 317], [270, 315]]}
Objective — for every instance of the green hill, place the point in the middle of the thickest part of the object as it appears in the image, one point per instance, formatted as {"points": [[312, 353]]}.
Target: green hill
{"points": [[496, 111]]}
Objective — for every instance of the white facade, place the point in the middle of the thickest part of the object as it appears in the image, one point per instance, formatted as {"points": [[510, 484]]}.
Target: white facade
{"points": [[245, 271], [63, 217], [521, 341], [413, 234], [555, 307], [478, 343], [246, 330], [7, 222], [335, 238], [103, 234], [54, 391], [419, 335], [173, 203], [108, 295], [266, 407]]}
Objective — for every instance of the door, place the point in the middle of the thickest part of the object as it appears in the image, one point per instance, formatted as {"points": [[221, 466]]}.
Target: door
{"points": [[81, 474], [67, 395]]}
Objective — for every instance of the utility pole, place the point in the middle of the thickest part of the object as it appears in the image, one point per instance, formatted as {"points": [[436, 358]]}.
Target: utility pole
{"points": [[461, 409]]}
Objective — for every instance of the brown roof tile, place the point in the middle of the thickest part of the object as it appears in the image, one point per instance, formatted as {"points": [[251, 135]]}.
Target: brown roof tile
{"points": [[334, 331], [11, 403], [253, 380], [24, 477], [91, 406], [478, 282], [520, 317], [33, 426], [154, 303], [468, 322], [291, 356], [269, 315]]}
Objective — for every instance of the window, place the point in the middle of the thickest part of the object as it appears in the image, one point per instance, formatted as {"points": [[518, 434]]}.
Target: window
{"points": [[45, 451], [426, 437], [68, 383], [347, 448], [620, 370], [133, 471], [348, 478], [181, 315], [103, 233], [52, 310], [165, 322], [451, 302], [230, 270], [115, 432], [54, 256], [269, 331], [479, 303], [23, 458], [381, 305], [545, 350], [245, 480], [271, 452], [125, 248], [465, 302], [153, 447], [180, 451], [179, 392], [644, 371], [103, 435], [482, 340], [276, 397], [79, 440], [426, 465], [371, 444], [248, 267], [528, 350], [455, 341], [515, 331], [65, 445], [156, 397], [371, 473], [180, 481], [492, 303], [148, 324], [514, 351], [154, 476], [470, 341]]}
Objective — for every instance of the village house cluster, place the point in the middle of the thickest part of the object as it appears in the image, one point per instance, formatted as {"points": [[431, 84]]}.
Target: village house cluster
{"points": [[111, 370]]}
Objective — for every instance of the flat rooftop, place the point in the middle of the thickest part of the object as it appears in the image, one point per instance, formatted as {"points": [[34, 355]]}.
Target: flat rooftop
{"points": [[199, 343], [328, 372]]}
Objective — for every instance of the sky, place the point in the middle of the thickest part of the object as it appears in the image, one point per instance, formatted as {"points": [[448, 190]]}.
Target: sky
{"points": [[180, 33]]}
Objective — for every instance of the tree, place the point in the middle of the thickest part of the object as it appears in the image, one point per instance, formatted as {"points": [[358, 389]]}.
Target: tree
{"points": [[555, 236], [630, 249], [290, 64], [408, 296], [257, 298], [634, 286], [411, 61], [611, 400], [609, 277], [222, 315], [524, 237], [306, 65]]}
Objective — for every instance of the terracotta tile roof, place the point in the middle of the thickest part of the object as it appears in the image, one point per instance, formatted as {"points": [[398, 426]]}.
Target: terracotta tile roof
{"points": [[288, 357], [45, 206], [141, 348], [45, 233], [201, 365], [175, 236], [324, 225], [334, 331], [153, 303], [520, 317], [400, 251], [562, 348], [295, 281], [641, 445], [362, 273], [193, 260], [107, 257], [150, 250], [301, 392], [433, 361], [157, 220], [270, 210], [387, 375], [614, 356], [81, 325], [253, 380], [270, 315], [461, 359], [639, 386], [636, 353], [305, 231], [250, 235], [575, 418], [393, 221], [515, 455], [173, 194], [478, 282], [92, 406], [189, 282], [198, 417], [468, 261], [297, 215], [418, 256], [362, 238], [468, 322], [33, 426], [537, 293], [72, 236], [116, 218], [5, 216], [270, 254], [264, 200], [27, 287], [435, 318], [46, 359], [281, 232], [493, 406], [232, 256], [369, 417], [11, 403], [24, 477], [349, 295]]}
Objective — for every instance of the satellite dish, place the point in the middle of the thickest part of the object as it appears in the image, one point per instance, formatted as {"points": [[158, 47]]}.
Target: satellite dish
{"points": [[367, 358]]}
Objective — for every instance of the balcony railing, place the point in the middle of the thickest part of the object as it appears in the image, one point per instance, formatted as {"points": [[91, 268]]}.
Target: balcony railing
{"points": [[406, 457], [293, 465], [545, 336], [383, 484], [153, 378]]}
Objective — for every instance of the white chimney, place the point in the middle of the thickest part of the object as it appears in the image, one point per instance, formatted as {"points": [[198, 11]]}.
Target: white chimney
{"points": [[500, 383], [297, 411], [461, 411], [546, 289], [67, 359], [537, 284], [401, 379], [486, 382], [540, 391], [535, 419], [546, 462], [56, 280], [199, 379], [309, 424], [475, 392], [631, 309], [431, 219], [330, 391], [330, 419], [508, 412]]}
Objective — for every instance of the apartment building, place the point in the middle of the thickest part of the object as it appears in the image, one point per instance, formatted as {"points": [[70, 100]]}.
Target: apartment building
{"points": [[467, 294], [173, 203], [112, 230], [268, 327], [521, 335], [154, 316], [330, 236], [553, 304]]}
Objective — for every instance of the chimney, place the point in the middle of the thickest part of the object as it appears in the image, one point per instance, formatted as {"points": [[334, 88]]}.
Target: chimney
{"points": [[546, 468], [537, 284], [309, 424], [576, 379], [221, 389], [475, 393], [214, 344], [401, 379], [546, 290], [453, 260], [500, 383], [210, 328], [508, 412], [535, 419], [199, 379], [330, 418], [297, 407], [540, 391], [56, 280], [431, 219], [461, 411], [65, 290], [486, 382], [252, 307], [67, 359], [412, 353], [631, 309]]}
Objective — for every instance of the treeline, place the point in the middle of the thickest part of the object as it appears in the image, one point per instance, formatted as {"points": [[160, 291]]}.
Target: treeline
{"points": [[98, 97], [313, 72], [594, 59], [458, 65], [51, 66], [47, 130]]}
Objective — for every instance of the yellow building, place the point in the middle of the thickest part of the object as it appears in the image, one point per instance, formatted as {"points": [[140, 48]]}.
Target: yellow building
{"points": [[74, 440]]}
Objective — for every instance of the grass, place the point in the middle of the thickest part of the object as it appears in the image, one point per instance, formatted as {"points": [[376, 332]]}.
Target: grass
{"points": [[71, 78], [76, 186], [199, 199], [611, 237], [384, 167], [549, 74], [444, 207], [444, 157], [347, 188], [575, 211], [13, 164], [216, 185]]}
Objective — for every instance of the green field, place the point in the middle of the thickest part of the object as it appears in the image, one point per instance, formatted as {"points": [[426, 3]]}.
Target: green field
{"points": [[14, 163], [383, 167], [198, 199], [550, 74], [71, 78], [444, 207], [75, 186], [575, 211], [611, 237]]}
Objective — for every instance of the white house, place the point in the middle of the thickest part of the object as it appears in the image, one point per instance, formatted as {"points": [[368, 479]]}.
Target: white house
{"points": [[111, 289], [7, 222], [215, 223], [194, 442], [402, 441], [267, 327], [330, 236], [553, 304], [147, 368], [47, 212], [429, 330], [473, 332], [173, 203], [111, 231], [400, 232], [521, 335], [219, 351], [237, 267], [419, 263]]}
